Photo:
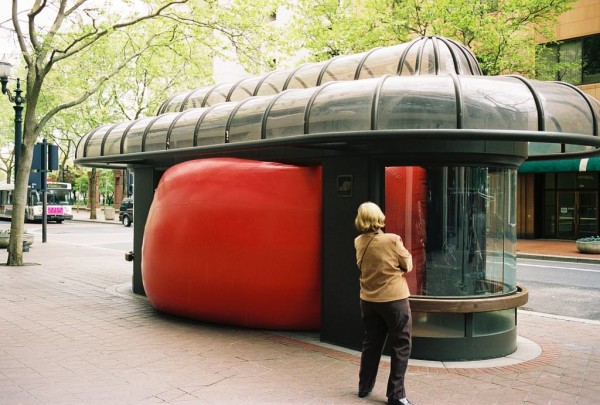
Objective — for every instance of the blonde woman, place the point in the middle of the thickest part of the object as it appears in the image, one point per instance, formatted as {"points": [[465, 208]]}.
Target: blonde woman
{"points": [[383, 261]]}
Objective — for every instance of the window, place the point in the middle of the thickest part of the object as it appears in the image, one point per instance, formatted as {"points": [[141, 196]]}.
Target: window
{"points": [[574, 61], [591, 60]]}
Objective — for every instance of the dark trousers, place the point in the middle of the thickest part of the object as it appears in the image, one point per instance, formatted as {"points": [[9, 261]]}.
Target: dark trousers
{"points": [[392, 321]]}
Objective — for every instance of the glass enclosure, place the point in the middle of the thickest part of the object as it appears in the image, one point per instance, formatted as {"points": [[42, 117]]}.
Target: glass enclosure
{"points": [[459, 222], [566, 111], [422, 56], [113, 139], [428, 102]]}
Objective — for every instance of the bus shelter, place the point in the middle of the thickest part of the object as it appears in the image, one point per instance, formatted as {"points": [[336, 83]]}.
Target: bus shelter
{"points": [[415, 128]]}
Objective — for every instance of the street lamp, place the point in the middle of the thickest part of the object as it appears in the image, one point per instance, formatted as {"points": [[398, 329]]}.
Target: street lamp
{"points": [[19, 100]]}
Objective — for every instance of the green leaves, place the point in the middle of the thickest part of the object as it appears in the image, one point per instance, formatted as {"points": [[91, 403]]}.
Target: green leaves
{"points": [[502, 33]]}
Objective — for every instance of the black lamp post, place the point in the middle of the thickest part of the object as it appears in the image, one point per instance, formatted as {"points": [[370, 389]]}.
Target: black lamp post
{"points": [[19, 100]]}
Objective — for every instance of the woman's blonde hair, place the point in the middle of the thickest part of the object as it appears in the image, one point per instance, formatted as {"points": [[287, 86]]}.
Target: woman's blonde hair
{"points": [[369, 218]]}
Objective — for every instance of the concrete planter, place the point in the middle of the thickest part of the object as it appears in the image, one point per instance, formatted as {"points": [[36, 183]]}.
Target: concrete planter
{"points": [[588, 247], [4, 238], [109, 213]]}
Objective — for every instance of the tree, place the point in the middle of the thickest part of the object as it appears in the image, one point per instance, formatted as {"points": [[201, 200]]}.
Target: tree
{"points": [[84, 47], [502, 33]]}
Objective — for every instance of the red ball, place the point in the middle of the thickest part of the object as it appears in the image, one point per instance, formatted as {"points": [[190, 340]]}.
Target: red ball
{"points": [[238, 242]]}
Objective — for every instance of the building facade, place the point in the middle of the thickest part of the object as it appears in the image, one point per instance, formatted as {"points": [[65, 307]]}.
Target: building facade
{"points": [[559, 199]]}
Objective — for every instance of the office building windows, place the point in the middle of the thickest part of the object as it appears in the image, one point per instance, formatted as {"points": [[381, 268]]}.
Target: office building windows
{"points": [[575, 61], [591, 60]]}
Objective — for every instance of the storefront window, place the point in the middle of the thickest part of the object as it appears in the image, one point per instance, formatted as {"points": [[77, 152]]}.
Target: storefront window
{"points": [[460, 225], [570, 205]]}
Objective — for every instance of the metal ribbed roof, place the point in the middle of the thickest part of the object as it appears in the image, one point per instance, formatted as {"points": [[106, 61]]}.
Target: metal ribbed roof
{"points": [[424, 55], [555, 117]]}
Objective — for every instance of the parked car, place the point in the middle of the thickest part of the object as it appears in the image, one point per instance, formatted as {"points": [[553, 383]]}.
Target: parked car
{"points": [[126, 212]]}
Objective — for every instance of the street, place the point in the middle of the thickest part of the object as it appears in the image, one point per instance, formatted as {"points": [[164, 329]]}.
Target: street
{"points": [[103, 236], [561, 288]]}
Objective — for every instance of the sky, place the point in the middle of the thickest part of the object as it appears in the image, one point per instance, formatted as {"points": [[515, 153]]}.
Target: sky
{"points": [[9, 48]]}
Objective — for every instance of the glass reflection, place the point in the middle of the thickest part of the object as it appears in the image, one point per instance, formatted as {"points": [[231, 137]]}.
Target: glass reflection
{"points": [[459, 224], [112, 141], [135, 135]]}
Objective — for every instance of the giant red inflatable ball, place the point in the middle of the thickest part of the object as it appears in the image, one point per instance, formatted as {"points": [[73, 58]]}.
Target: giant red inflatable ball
{"points": [[238, 242]]}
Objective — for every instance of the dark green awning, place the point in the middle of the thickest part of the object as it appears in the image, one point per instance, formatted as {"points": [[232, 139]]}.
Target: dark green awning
{"points": [[562, 165]]}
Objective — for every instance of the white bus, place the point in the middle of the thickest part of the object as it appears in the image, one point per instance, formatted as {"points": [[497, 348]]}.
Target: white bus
{"points": [[58, 206]]}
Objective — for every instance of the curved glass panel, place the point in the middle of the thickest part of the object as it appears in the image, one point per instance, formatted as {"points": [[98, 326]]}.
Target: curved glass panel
{"points": [[432, 324], [564, 108], [80, 151], [342, 106], [383, 61], [428, 61], [497, 103], [409, 64], [473, 64], [463, 61], [342, 68], [94, 145], [273, 83], [156, 137], [426, 102], [246, 124], [286, 117], [182, 133], [569, 148], [112, 143], [538, 148], [219, 94], [175, 103], [459, 223], [424, 56], [196, 99], [245, 88], [596, 109], [446, 60], [134, 137], [306, 76], [212, 127], [494, 322]]}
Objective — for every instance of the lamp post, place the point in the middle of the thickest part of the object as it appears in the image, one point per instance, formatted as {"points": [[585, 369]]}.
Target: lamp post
{"points": [[19, 100]]}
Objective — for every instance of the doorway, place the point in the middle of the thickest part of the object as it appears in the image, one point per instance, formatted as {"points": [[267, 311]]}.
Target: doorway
{"points": [[577, 214]]}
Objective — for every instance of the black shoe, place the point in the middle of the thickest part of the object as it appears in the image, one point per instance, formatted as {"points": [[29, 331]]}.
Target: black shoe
{"points": [[392, 401], [362, 394]]}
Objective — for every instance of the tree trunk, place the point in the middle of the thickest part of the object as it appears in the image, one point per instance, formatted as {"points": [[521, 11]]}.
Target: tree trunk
{"points": [[17, 223], [92, 194]]}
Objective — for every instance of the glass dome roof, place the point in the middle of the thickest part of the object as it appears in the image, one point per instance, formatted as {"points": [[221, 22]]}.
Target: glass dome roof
{"points": [[559, 116], [424, 55]]}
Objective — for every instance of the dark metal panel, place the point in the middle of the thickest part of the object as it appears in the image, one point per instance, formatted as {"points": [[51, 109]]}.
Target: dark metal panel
{"points": [[145, 182], [341, 321]]}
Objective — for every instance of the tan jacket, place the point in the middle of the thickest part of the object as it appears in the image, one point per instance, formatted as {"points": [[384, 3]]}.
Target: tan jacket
{"points": [[381, 277]]}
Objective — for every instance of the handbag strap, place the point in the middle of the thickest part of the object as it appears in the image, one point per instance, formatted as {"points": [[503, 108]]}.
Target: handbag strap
{"points": [[365, 251]]}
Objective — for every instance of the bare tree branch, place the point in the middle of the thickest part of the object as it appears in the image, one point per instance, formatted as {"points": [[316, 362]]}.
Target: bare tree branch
{"points": [[87, 40], [48, 116], [35, 10], [26, 54]]}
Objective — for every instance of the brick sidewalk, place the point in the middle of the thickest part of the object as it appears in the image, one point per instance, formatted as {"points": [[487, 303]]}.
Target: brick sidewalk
{"points": [[72, 333]]}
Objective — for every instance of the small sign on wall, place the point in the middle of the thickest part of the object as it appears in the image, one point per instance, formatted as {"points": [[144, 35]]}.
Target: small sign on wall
{"points": [[344, 185]]}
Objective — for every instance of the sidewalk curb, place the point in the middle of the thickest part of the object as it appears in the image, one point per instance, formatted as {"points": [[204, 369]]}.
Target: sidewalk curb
{"points": [[557, 258], [97, 221]]}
